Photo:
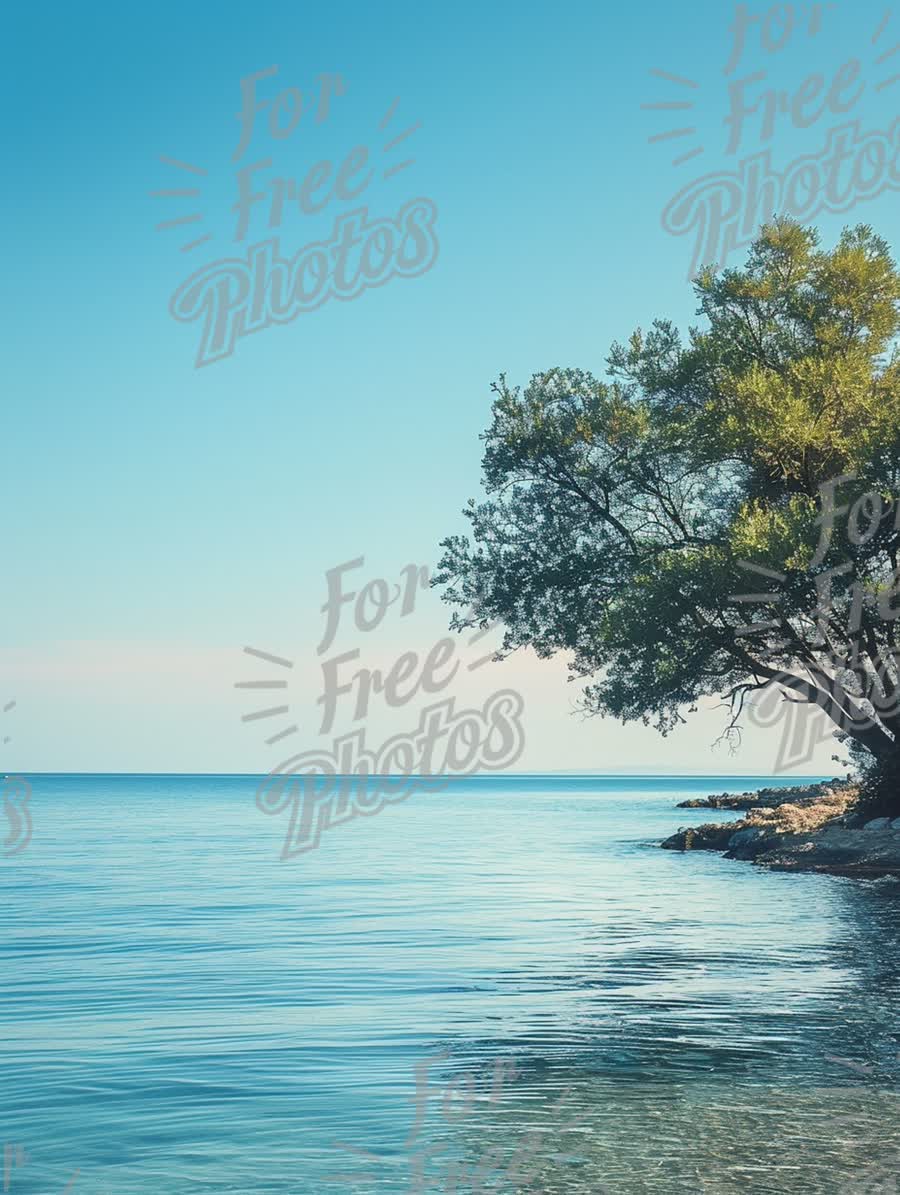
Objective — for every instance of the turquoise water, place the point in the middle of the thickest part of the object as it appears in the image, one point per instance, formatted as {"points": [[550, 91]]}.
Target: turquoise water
{"points": [[183, 1011]]}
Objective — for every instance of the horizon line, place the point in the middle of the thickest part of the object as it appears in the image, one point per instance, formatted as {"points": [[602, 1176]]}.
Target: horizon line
{"points": [[469, 775]]}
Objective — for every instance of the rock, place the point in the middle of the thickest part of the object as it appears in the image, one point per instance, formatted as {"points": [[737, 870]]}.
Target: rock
{"points": [[872, 853], [751, 841], [700, 838], [750, 834], [728, 801], [766, 798], [842, 843]]}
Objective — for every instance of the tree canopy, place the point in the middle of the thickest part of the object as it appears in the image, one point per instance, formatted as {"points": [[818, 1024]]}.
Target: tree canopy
{"points": [[630, 521]]}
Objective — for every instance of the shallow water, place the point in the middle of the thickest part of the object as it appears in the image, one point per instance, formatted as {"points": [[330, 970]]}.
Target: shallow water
{"points": [[183, 1011]]}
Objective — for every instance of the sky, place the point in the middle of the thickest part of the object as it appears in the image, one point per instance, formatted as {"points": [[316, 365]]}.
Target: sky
{"points": [[162, 516]]}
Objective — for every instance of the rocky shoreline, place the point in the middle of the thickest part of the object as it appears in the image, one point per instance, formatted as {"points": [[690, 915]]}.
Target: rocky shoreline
{"points": [[812, 828]]}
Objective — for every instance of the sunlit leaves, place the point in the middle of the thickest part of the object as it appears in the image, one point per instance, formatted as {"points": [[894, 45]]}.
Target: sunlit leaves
{"points": [[621, 513]]}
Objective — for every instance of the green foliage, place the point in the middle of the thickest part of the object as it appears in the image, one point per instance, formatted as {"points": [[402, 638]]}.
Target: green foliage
{"points": [[621, 514]]}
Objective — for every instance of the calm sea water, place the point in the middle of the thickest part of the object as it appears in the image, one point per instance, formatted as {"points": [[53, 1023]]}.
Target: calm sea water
{"points": [[183, 1012]]}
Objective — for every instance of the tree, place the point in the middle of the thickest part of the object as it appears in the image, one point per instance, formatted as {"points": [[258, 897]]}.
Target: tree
{"points": [[721, 514]]}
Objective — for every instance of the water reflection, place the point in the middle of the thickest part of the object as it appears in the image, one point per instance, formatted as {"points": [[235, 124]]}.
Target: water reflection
{"points": [[183, 1013]]}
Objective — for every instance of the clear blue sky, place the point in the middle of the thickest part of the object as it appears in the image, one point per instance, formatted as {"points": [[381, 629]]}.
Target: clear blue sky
{"points": [[159, 516]]}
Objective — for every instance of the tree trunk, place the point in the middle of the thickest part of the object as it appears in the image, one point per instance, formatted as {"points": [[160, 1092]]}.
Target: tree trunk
{"points": [[881, 785]]}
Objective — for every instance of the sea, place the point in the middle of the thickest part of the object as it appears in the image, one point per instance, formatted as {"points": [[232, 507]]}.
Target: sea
{"points": [[504, 986]]}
